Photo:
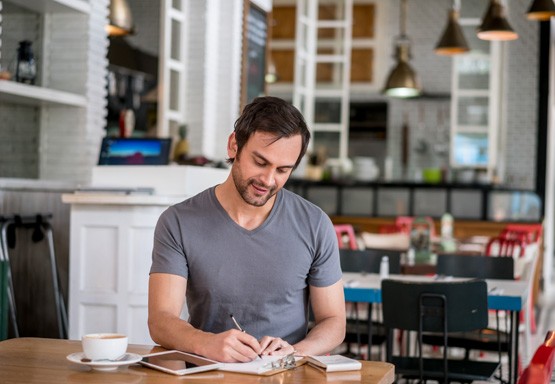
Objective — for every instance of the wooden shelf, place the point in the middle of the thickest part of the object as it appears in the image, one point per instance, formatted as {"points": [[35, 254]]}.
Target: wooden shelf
{"points": [[54, 6], [11, 91]]}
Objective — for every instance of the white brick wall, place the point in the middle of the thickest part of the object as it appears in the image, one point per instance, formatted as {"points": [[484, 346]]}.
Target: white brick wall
{"points": [[54, 142]]}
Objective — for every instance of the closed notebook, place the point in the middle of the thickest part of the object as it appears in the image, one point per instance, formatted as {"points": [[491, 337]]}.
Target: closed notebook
{"points": [[334, 363]]}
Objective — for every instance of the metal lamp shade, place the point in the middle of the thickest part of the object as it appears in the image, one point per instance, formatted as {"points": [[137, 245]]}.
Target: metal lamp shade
{"points": [[121, 20], [495, 25], [452, 40], [402, 81], [541, 10]]}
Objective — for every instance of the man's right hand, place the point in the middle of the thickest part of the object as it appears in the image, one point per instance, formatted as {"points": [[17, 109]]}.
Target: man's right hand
{"points": [[231, 346]]}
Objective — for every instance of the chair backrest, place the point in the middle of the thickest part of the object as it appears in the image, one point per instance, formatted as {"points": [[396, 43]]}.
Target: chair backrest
{"points": [[369, 260], [465, 305], [500, 246], [530, 233], [348, 231], [482, 267]]}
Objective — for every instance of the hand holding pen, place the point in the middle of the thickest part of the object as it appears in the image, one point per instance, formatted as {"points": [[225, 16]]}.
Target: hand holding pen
{"points": [[239, 327], [270, 345]]}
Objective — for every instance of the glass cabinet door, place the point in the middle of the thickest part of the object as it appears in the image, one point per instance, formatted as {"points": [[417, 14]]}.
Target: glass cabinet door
{"points": [[474, 104]]}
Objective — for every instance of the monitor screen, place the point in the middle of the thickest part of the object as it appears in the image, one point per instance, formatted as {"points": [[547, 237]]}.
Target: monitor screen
{"points": [[134, 151]]}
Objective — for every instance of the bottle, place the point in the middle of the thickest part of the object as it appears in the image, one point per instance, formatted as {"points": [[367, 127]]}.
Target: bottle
{"points": [[384, 267], [411, 256], [446, 226]]}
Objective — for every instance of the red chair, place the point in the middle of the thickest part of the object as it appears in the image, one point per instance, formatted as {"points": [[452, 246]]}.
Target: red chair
{"points": [[541, 366], [502, 246], [510, 245], [346, 230], [530, 233]]}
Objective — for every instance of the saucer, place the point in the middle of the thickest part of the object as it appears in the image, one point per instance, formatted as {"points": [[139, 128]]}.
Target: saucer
{"points": [[130, 358]]}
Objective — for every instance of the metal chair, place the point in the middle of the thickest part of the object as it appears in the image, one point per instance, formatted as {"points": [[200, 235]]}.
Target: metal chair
{"points": [[439, 308], [483, 267], [358, 327], [345, 230]]}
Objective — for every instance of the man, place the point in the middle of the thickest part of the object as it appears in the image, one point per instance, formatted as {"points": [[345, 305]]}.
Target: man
{"points": [[250, 249]]}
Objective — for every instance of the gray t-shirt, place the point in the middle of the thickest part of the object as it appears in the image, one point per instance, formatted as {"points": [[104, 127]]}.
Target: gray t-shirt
{"points": [[260, 276]]}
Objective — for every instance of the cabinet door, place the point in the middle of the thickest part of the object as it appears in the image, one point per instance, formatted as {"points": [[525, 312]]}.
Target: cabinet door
{"points": [[474, 105]]}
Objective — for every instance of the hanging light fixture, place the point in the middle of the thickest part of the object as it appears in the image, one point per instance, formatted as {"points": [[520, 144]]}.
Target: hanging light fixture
{"points": [[495, 25], [402, 81], [452, 40], [541, 10], [121, 20]]}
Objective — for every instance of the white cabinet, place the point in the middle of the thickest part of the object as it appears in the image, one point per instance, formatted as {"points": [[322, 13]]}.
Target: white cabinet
{"points": [[110, 257], [111, 238], [55, 125], [475, 104]]}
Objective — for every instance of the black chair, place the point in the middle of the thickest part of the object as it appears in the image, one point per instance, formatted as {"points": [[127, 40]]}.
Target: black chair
{"points": [[482, 267], [358, 329], [369, 260], [439, 308], [491, 338]]}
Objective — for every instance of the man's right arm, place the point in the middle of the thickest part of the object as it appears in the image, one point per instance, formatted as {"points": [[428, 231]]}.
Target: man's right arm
{"points": [[166, 295]]}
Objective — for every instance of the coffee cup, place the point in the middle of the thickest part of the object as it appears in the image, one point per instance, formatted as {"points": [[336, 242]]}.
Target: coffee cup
{"points": [[104, 346]]}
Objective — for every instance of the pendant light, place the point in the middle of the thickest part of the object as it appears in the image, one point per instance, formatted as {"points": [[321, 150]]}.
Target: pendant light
{"points": [[495, 25], [402, 81], [452, 41], [541, 10], [121, 20]]}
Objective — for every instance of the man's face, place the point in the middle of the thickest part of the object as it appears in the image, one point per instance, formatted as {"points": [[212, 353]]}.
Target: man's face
{"points": [[263, 166]]}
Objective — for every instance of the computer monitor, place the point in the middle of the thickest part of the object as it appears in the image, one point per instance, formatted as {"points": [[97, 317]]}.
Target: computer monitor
{"points": [[134, 151]]}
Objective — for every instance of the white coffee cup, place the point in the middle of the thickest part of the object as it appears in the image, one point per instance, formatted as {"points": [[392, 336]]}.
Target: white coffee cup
{"points": [[104, 346]]}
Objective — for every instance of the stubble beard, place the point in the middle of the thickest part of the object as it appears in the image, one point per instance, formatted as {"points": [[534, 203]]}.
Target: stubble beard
{"points": [[242, 187]]}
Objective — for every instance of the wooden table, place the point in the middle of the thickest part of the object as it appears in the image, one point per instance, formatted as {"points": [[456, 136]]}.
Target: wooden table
{"points": [[34, 360]]}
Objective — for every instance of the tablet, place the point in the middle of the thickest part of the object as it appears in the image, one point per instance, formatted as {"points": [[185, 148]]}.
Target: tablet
{"points": [[179, 363]]}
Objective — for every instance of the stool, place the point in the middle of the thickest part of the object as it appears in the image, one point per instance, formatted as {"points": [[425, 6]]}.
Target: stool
{"points": [[39, 223]]}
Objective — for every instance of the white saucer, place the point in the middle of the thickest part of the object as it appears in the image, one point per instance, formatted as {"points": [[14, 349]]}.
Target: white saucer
{"points": [[130, 358]]}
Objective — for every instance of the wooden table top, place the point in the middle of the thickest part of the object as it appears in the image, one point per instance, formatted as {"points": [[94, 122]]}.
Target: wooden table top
{"points": [[37, 360]]}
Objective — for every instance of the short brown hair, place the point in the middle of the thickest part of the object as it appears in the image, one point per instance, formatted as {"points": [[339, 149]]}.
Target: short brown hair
{"points": [[272, 115]]}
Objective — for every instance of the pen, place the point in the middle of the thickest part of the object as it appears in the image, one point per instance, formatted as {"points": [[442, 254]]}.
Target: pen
{"points": [[236, 323], [239, 327]]}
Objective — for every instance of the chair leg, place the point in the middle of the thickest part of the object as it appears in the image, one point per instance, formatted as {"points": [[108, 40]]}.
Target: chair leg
{"points": [[61, 313]]}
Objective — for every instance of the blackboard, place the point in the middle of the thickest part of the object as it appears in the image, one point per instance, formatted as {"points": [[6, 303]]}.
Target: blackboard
{"points": [[255, 53]]}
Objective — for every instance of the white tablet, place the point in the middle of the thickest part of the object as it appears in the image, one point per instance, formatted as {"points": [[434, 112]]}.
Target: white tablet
{"points": [[179, 363]]}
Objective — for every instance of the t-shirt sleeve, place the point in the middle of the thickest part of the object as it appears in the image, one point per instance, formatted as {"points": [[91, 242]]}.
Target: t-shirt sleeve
{"points": [[168, 255], [326, 268]]}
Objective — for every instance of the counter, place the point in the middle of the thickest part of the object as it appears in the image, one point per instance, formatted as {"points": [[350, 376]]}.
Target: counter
{"points": [[111, 238]]}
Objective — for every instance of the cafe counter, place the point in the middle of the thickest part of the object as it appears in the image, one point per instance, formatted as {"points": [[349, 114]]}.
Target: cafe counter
{"points": [[111, 237]]}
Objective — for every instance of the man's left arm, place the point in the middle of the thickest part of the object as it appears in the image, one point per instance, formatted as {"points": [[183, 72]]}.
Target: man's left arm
{"points": [[328, 307]]}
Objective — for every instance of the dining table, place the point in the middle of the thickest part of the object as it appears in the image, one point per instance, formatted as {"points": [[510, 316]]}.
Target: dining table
{"points": [[41, 360], [506, 295]]}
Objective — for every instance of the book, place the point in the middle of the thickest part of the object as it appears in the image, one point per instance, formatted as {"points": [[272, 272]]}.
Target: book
{"points": [[334, 363]]}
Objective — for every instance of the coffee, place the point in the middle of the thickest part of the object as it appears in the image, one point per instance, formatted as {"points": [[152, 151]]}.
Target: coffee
{"points": [[103, 336]]}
